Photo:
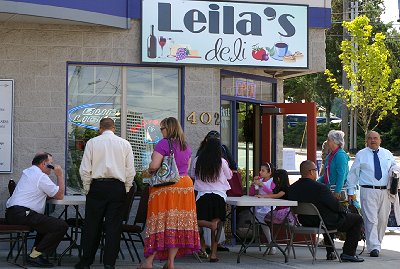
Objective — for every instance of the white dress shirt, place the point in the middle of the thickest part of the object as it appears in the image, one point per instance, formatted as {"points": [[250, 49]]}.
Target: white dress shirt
{"points": [[362, 171], [107, 156], [32, 190]]}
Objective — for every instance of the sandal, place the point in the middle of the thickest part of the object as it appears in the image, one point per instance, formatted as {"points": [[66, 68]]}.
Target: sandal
{"points": [[214, 259], [203, 254]]}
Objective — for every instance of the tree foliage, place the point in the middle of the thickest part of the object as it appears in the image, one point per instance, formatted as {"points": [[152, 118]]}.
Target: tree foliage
{"points": [[365, 62]]}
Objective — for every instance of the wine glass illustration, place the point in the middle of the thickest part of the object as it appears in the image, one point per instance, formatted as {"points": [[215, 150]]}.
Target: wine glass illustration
{"points": [[162, 41]]}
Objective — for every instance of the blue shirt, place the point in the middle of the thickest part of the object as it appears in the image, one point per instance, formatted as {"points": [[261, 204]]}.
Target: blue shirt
{"points": [[362, 171], [338, 169]]}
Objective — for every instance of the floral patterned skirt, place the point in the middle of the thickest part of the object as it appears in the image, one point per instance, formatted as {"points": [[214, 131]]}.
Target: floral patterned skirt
{"points": [[171, 220]]}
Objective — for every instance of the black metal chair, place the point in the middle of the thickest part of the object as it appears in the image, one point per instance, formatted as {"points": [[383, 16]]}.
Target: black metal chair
{"points": [[310, 209], [131, 233], [14, 234]]}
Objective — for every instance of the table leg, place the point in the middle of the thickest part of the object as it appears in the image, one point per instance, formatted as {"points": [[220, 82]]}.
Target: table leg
{"points": [[244, 246], [74, 234], [273, 238]]}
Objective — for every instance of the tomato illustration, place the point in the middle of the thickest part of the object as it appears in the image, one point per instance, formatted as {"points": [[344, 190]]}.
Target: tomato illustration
{"points": [[259, 54]]}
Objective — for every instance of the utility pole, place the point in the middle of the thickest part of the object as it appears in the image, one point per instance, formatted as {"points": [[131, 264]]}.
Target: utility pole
{"points": [[345, 83], [349, 117], [353, 115]]}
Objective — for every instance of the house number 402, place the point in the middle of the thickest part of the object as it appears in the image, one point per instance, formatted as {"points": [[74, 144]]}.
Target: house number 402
{"points": [[205, 118]]}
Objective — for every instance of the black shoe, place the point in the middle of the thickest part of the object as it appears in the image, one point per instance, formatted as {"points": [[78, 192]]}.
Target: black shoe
{"points": [[374, 253], [348, 258], [109, 266], [331, 256], [39, 261], [81, 266], [222, 248]]}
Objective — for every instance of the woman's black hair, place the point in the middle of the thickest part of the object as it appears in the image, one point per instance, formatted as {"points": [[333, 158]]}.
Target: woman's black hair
{"points": [[208, 164], [281, 180], [211, 134], [226, 154]]}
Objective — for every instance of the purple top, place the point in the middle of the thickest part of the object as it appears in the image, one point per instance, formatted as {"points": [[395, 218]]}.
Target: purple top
{"points": [[182, 157]]}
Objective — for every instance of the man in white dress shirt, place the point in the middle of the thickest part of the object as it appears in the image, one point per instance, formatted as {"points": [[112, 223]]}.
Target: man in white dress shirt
{"points": [[27, 204], [371, 170], [107, 172]]}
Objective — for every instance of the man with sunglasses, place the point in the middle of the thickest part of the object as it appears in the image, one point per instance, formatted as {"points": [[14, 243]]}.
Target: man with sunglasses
{"points": [[27, 204], [308, 190]]}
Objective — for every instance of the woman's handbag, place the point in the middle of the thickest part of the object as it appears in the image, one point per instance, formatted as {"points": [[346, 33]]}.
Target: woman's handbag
{"points": [[168, 172], [236, 185]]}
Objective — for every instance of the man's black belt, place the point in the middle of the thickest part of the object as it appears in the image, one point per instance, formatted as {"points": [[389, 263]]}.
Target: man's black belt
{"points": [[374, 187], [18, 207], [105, 179]]}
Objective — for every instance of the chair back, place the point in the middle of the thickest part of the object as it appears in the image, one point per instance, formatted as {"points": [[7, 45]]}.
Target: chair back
{"points": [[141, 214], [129, 201], [310, 209]]}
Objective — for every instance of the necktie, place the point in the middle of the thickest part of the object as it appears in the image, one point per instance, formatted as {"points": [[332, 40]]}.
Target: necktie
{"points": [[377, 166]]}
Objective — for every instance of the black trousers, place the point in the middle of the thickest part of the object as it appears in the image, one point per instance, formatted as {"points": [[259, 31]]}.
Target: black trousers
{"points": [[352, 227], [103, 211], [50, 230]]}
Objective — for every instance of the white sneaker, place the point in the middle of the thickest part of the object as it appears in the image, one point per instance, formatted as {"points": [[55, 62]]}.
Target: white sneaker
{"points": [[272, 251]]}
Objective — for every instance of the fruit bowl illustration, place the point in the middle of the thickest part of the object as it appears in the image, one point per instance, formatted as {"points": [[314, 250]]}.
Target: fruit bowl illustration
{"points": [[183, 51]]}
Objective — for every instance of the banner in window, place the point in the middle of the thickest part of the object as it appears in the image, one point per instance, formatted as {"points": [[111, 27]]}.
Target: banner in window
{"points": [[225, 33], [6, 125]]}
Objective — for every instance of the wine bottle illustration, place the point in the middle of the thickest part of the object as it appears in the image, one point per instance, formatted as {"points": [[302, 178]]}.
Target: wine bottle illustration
{"points": [[152, 44]]}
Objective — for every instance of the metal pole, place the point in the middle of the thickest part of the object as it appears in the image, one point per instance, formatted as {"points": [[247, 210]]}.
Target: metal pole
{"points": [[351, 135], [345, 83], [353, 116]]}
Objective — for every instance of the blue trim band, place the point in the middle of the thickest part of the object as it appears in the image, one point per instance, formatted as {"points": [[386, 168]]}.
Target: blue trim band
{"points": [[318, 17], [115, 7]]}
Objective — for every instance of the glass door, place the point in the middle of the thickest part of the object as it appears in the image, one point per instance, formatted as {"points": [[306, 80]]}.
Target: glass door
{"points": [[238, 132], [245, 139]]}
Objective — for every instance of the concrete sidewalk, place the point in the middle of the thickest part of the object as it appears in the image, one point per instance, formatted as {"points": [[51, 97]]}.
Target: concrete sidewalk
{"points": [[389, 257]]}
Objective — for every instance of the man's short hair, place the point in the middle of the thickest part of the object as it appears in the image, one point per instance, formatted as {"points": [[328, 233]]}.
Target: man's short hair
{"points": [[40, 157], [372, 132], [305, 167], [107, 123]]}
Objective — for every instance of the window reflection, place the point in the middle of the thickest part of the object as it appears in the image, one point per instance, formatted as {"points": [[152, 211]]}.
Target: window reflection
{"points": [[95, 92], [149, 100]]}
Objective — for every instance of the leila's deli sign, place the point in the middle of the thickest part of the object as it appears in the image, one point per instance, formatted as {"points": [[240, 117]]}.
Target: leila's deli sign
{"points": [[224, 33]]}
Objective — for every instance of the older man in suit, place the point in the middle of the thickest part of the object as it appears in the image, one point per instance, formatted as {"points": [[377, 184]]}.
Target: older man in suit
{"points": [[308, 190]]}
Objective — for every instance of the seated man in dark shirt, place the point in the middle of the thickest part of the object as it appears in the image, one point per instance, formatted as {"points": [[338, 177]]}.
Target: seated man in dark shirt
{"points": [[308, 190]]}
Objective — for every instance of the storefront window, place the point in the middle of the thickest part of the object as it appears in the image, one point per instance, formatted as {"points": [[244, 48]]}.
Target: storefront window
{"points": [[246, 88], [136, 98]]}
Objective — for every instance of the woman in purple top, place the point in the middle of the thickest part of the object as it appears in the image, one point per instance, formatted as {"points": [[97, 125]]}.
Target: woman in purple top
{"points": [[171, 226]]}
